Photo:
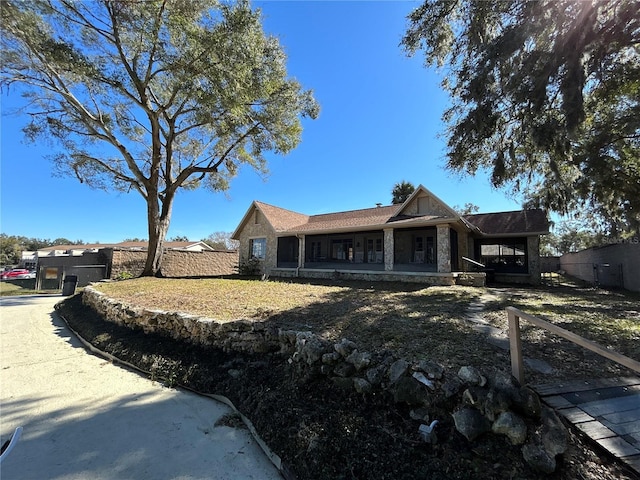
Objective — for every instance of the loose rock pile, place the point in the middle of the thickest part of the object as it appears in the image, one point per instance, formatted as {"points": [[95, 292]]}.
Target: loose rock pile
{"points": [[485, 404]]}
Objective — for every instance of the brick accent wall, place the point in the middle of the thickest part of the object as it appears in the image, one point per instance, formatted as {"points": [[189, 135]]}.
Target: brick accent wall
{"points": [[177, 263]]}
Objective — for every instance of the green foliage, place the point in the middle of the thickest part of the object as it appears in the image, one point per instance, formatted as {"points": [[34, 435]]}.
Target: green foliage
{"points": [[251, 267], [401, 191], [152, 96], [568, 236], [12, 246], [545, 96], [468, 208], [124, 276], [221, 241]]}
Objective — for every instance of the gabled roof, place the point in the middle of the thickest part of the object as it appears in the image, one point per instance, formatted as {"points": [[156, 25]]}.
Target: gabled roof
{"points": [[352, 219], [280, 219], [421, 209], [510, 223]]}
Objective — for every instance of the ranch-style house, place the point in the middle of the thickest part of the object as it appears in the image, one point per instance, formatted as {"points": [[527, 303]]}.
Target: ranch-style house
{"points": [[421, 240]]}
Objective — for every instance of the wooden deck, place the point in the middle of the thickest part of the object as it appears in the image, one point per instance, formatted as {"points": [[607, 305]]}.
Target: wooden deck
{"points": [[607, 410]]}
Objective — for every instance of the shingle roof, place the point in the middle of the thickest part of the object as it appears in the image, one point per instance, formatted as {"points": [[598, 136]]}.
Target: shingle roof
{"points": [[368, 217], [501, 223], [510, 223], [280, 218]]}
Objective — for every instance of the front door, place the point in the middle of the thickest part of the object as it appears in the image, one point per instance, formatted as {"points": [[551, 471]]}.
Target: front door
{"points": [[374, 250]]}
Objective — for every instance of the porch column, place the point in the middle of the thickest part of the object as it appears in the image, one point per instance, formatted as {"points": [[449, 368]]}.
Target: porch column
{"points": [[301, 252], [444, 249], [388, 249], [533, 254]]}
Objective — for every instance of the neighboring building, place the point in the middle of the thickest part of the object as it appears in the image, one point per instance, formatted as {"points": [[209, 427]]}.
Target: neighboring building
{"points": [[421, 240], [59, 250], [94, 262], [28, 260]]}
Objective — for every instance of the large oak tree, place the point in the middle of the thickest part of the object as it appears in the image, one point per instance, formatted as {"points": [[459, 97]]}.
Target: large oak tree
{"points": [[153, 95], [545, 95]]}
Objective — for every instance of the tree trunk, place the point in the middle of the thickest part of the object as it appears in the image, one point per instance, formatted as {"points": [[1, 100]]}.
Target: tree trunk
{"points": [[158, 227]]}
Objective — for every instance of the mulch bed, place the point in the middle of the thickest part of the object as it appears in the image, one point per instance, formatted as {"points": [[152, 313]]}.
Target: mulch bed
{"points": [[321, 431]]}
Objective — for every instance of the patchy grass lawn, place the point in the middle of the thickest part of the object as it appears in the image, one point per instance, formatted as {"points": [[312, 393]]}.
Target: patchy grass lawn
{"points": [[609, 318], [8, 288], [411, 319], [414, 320]]}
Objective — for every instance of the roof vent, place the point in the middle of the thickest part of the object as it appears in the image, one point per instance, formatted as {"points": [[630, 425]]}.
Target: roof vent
{"points": [[378, 205]]}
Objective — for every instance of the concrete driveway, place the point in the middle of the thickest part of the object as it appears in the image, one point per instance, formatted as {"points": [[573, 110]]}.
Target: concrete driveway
{"points": [[84, 418]]}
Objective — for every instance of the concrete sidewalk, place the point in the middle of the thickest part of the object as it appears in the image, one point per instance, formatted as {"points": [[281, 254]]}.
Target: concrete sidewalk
{"points": [[84, 418]]}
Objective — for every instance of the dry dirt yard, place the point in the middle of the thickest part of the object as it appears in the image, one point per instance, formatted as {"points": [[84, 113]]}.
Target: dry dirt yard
{"points": [[324, 432]]}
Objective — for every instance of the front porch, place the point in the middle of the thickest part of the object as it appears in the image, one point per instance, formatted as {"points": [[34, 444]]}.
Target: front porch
{"points": [[427, 249], [410, 274]]}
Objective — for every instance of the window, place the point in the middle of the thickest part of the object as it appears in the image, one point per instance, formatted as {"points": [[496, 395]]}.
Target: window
{"points": [[508, 256], [342, 249], [258, 247], [316, 251]]}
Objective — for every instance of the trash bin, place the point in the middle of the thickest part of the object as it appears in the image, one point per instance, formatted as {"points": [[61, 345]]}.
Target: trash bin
{"points": [[69, 285]]}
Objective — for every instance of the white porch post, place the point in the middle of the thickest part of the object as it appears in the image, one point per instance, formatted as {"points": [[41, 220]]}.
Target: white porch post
{"points": [[301, 252], [388, 249], [444, 249]]}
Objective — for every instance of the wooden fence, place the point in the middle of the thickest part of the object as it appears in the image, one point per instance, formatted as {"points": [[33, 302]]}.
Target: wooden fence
{"points": [[517, 368]]}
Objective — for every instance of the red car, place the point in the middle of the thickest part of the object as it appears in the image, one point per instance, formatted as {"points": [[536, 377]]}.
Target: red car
{"points": [[16, 273]]}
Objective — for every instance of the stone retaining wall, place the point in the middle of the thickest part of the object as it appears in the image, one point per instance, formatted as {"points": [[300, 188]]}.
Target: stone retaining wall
{"points": [[486, 402], [431, 278]]}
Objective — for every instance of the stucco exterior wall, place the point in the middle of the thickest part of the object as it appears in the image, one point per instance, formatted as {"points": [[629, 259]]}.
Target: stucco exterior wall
{"points": [[177, 263], [623, 268]]}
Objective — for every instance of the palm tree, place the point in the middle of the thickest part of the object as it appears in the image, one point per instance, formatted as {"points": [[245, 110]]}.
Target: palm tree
{"points": [[401, 191]]}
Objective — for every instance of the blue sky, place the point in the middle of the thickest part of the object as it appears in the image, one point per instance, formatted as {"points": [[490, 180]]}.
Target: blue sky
{"points": [[379, 124]]}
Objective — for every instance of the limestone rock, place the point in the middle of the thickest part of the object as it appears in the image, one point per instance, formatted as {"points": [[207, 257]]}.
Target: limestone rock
{"points": [[538, 458], [471, 423], [451, 387], [361, 385], [310, 347], [375, 375], [474, 396], [359, 360], [527, 402], [409, 391], [431, 369], [397, 370], [511, 425], [471, 375], [344, 347], [495, 403], [330, 358], [554, 433]]}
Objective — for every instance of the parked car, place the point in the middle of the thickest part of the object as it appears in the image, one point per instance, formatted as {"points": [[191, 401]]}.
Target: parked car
{"points": [[17, 273]]}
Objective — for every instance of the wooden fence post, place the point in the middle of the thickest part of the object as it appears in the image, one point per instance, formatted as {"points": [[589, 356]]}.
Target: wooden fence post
{"points": [[515, 346]]}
